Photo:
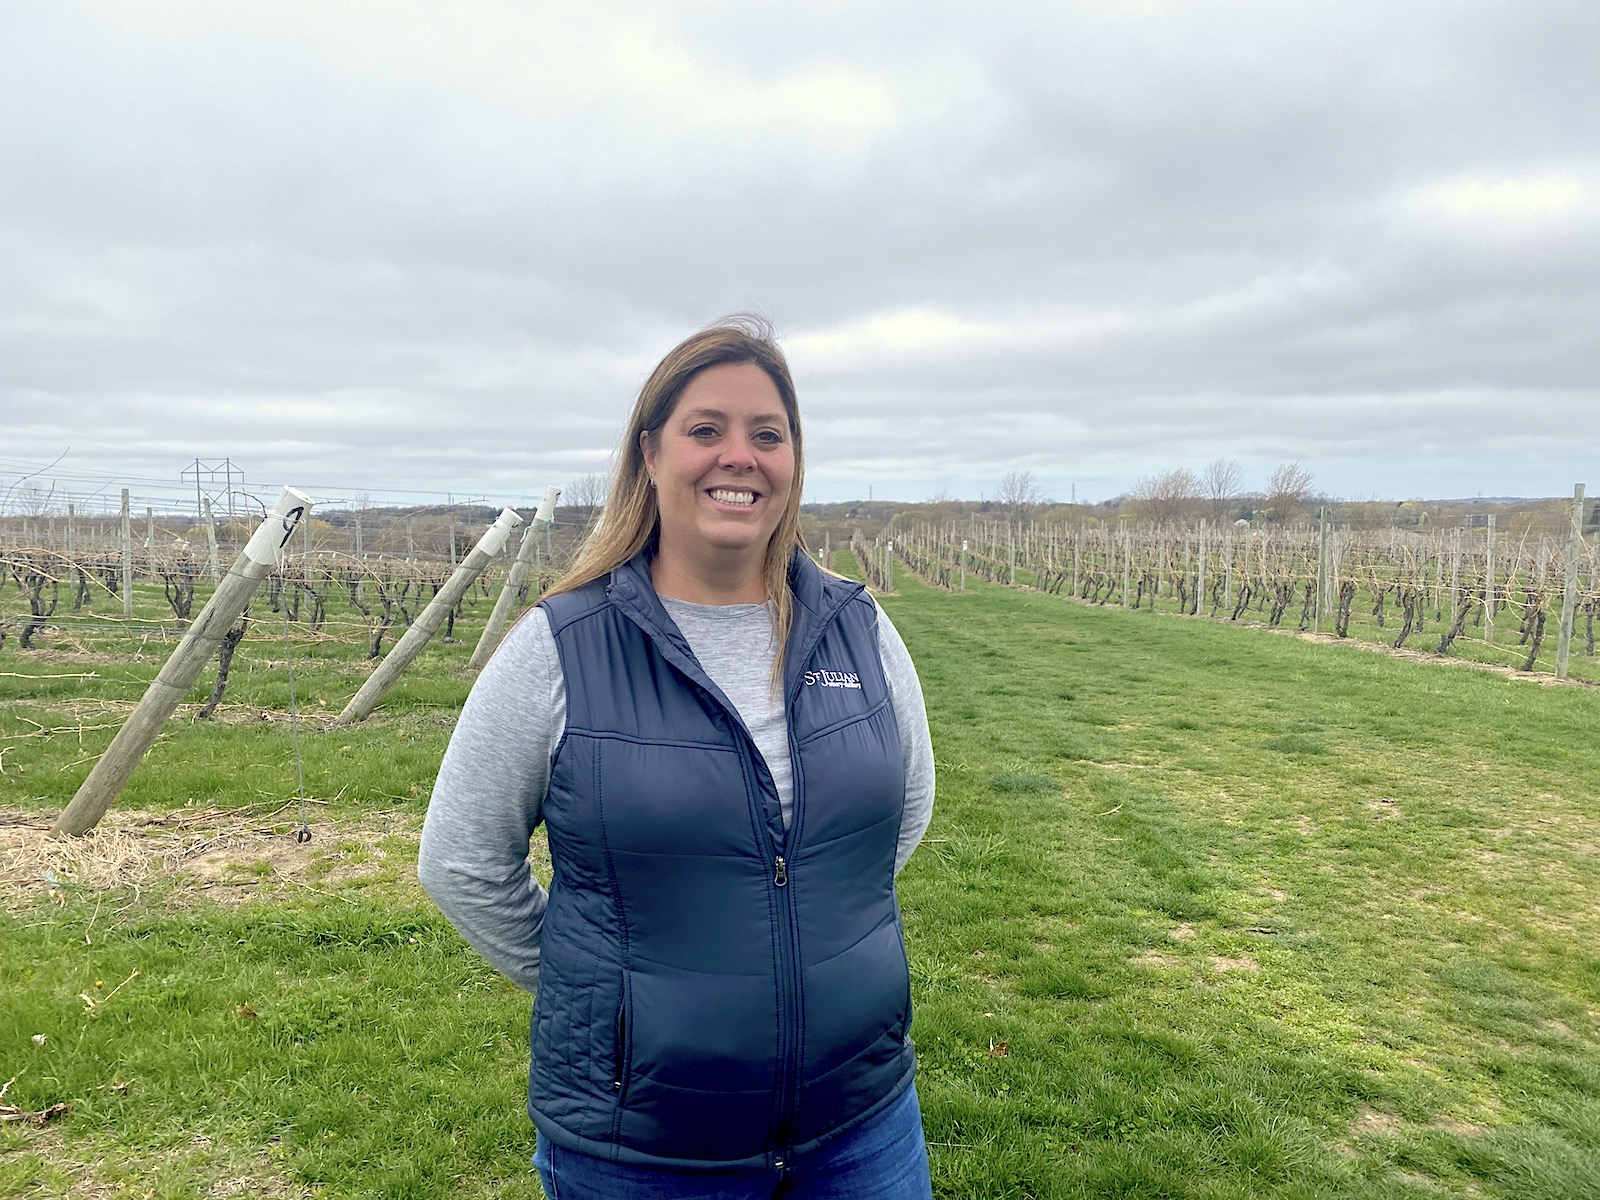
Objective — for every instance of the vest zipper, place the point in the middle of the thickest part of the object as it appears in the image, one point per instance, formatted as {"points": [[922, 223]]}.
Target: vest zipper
{"points": [[789, 1057], [789, 1017]]}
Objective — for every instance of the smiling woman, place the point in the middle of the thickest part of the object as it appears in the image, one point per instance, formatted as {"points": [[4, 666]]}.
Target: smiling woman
{"points": [[723, 467], [728, 749]]}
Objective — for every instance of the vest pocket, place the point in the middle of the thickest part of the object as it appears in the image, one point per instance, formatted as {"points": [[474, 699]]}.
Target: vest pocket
{"points": [[624, 1024]]}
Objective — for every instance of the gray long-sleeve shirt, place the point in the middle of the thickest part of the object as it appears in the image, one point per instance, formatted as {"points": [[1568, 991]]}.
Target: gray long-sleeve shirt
{"points": [[489, 796]]}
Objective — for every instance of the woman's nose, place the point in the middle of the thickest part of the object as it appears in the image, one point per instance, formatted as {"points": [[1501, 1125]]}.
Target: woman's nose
{"points": [[738, 453]]}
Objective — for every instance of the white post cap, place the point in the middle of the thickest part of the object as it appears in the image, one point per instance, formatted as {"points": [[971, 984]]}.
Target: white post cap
{"points": [[547, 506], [494, 538], [274, 532]]}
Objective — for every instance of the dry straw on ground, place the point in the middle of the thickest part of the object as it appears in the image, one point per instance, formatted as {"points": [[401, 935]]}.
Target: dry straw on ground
{"points": [[225, 854]]}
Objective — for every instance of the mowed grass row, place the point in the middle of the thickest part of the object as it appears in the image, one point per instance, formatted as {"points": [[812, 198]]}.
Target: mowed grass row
{"points": [[1248, 916], [1204, 912]]}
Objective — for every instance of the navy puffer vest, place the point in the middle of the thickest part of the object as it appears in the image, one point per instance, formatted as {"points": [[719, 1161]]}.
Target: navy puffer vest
{"points": [[716, 991]]}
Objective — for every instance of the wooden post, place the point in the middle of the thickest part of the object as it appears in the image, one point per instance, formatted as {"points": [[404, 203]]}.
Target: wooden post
{"points": [[76, 571], [518, 575], [127, 556], [963, 564], [1077, 557], [211, 543], [1227, 569], [1455, 576], [888, 564], [150, 540], [1322, 568], [307, 527], [1569, 593], [1488, 584], [423, 628], [1011, 537], [1200, 570], [169, 687], [359, 550], [1127, 567]]}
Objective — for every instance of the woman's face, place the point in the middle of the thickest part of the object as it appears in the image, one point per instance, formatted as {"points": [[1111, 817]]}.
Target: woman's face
{"points": [[723, 464]]}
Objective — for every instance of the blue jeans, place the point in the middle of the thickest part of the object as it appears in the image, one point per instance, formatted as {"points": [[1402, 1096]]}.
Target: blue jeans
{"points": [[884, 1159]]}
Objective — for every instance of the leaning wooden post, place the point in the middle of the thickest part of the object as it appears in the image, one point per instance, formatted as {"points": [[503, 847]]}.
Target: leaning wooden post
{"points": [[1569, 594], [518, 576], [169, 688], [423, 628]]}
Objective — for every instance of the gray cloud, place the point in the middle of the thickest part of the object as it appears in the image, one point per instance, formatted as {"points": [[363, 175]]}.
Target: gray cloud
{"points": [[403, 249]]}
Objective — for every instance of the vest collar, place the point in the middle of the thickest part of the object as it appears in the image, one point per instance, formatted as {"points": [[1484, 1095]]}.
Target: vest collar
{"points": [[817, 598]]}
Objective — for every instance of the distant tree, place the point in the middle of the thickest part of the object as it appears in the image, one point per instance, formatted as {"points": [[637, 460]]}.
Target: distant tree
{"points": [[1220, 484], [1019, 491], [586, 492], [1170, 496], [1366, 512], [941, 507], [30, 500], [1288, 492]]}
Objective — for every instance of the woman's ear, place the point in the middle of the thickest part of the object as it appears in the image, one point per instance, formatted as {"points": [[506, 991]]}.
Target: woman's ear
{"points": [[648, 452]]}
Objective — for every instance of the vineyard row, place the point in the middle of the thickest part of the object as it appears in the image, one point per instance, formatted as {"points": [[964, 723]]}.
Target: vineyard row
{"points": [[1461, 585]]}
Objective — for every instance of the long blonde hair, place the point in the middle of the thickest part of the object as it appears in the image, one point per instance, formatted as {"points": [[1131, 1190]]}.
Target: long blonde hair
{"points": [[631, 519]]}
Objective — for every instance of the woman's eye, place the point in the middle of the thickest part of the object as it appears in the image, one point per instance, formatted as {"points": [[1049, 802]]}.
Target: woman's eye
{"points": [[769, 437], [703, 431]]}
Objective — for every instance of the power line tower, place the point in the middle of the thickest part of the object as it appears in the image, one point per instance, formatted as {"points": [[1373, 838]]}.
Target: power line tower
{"points": [[215, 481]]}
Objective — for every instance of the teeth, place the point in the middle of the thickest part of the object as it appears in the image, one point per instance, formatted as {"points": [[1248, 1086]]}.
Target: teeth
{"points": [[727, 497]]}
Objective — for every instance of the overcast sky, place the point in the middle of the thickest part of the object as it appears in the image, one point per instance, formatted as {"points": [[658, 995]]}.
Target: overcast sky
{"points": [[435, 248]]}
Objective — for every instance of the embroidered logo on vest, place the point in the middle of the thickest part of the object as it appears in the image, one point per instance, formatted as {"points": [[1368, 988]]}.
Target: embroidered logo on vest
{"points": [[838, 679]]}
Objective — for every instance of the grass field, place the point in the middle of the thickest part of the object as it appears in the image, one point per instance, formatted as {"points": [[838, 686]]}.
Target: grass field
{"points": [[1204, 912]]}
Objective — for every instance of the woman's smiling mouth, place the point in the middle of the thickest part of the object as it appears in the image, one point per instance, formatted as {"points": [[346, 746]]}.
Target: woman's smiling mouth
{"points": [[739, 497]]}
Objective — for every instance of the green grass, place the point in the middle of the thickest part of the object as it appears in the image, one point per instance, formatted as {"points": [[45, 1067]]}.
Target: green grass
{"points": [[1251, 916], [1204, 912]]}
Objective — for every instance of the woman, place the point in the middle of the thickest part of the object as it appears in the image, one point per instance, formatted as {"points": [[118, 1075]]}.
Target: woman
{"points": [[729, 751]]}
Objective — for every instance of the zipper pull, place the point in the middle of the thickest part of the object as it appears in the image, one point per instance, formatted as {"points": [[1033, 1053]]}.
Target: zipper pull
{"points": [[781, 875]]}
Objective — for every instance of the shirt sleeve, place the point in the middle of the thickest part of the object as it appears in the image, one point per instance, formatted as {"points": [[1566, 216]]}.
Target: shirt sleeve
{"points": [[916, 744], [489, 797]]}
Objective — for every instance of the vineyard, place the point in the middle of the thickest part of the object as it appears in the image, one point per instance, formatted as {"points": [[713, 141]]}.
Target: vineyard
{"points": [[1476, 594], [1203, 913], [365, 586], [342, 582]]}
